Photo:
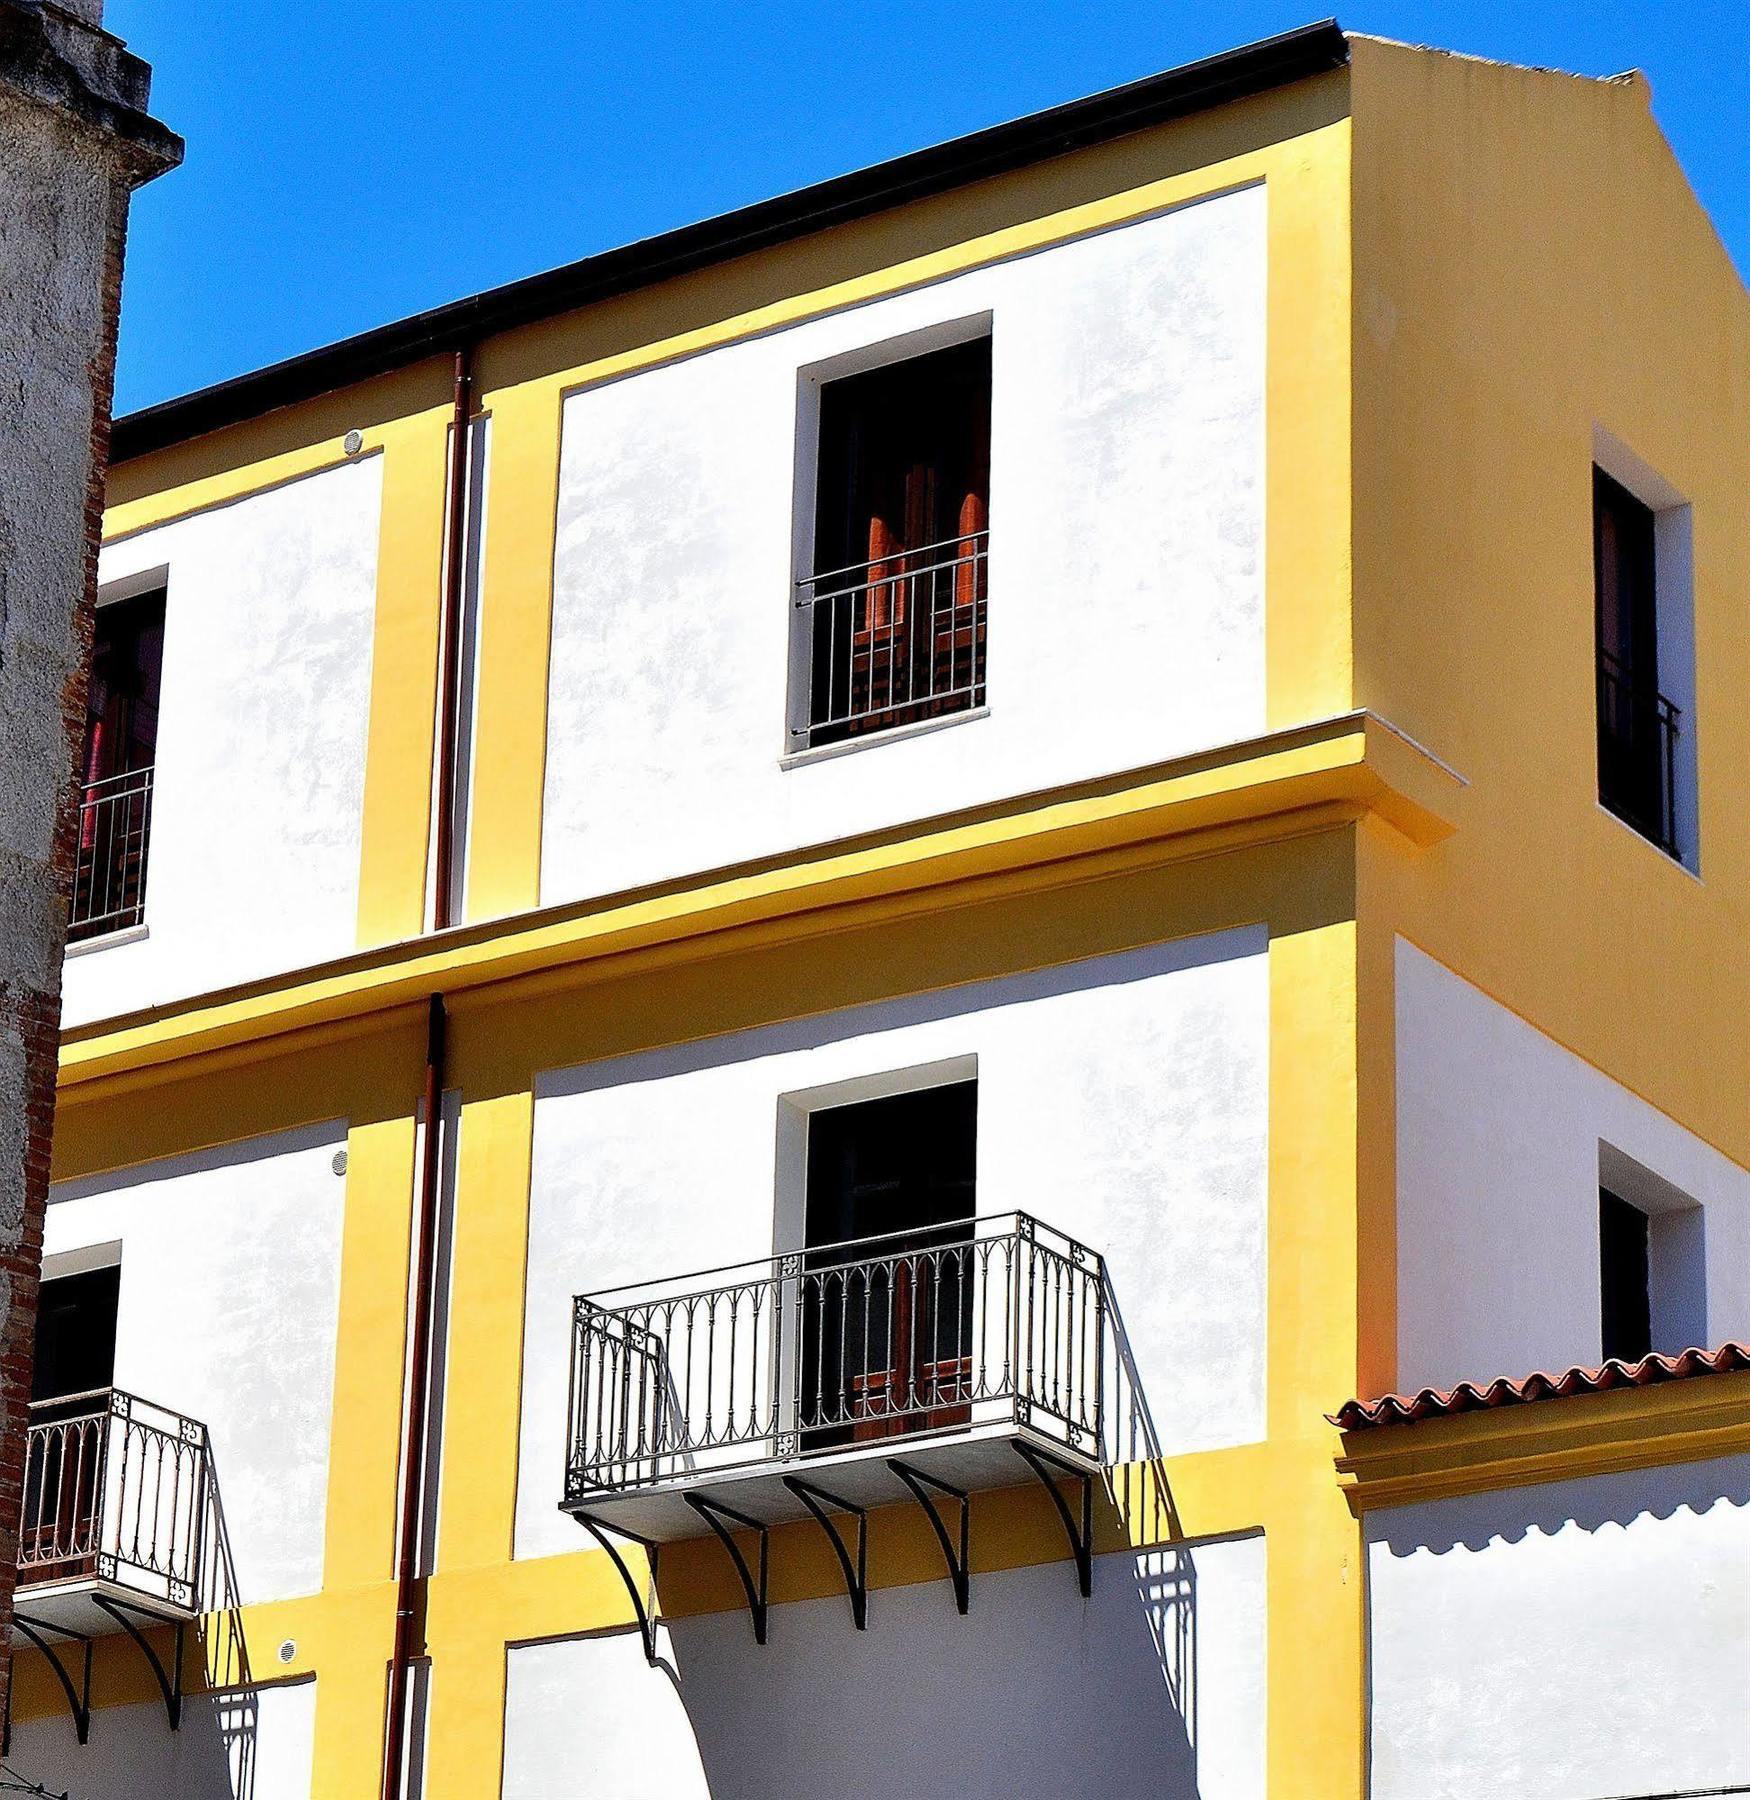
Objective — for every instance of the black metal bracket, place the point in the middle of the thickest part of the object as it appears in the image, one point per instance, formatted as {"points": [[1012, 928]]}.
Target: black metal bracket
{"points": [[959, 1565], [713, 1512], [817, 1500], [78, 1700], [646, 1617], [1081, 1541], [169, 1681]]}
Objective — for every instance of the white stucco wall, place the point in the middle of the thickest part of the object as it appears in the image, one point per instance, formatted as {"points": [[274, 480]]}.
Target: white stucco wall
{"points": [[1122, 1100], [1126, 572], [241, 1744], [258, 795], [1580, 1639], [1498, 1135], [229, 1301], [1153, 1686]]}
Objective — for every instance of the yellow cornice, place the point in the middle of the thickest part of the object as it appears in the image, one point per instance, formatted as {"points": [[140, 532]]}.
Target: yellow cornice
{"points": [[1283, 785], [1546, 1440]]}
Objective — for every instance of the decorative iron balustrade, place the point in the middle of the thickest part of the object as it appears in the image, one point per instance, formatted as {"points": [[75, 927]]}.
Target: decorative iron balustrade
{"points": [[1637, 753], [109, 866], [989, 1322], [896, 639], [117, 1490]]}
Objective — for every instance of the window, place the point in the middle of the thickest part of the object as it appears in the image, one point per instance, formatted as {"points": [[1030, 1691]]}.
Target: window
{"points": [[121, 746], [75, 1334], [63, 1475], [1625, 1292], [894, 612], [1637, 724], [1652, 1260], [887, 1326]]}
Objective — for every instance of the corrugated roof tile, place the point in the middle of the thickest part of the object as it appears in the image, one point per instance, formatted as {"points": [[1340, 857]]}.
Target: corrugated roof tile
{"points": [[1443, 1403]]}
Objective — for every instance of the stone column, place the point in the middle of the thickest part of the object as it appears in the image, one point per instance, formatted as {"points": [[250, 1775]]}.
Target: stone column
{"points": [[75, 141]]}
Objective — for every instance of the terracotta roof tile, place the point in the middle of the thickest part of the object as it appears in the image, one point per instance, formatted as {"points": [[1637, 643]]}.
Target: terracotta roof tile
{"points": [[1437, 1403]]}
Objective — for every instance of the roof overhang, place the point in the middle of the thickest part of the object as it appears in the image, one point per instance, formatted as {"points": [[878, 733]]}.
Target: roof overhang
{"points": [[1686, 1413]]}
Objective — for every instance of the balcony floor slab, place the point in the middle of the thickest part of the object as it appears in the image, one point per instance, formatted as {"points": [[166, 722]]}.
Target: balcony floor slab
{"points": [[71, 1605], [975, 1461]]}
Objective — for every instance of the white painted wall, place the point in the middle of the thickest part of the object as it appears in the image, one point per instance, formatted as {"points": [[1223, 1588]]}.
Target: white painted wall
{"points": [[1122, 1100], [1153, 1686], [258, 796], [1580, 1639], [230, 1288], [240, 1744], [1126, 497], [1498, 1135]]}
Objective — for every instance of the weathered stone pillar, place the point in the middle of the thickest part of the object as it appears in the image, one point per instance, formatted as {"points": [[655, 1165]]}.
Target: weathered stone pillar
{"points": [[75, 141]]}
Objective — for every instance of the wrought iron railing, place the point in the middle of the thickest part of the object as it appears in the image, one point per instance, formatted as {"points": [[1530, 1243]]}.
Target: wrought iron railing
{"points": [[1637, 753], [109, 865], [119, 1490], [987, 1322], [896, 639]]}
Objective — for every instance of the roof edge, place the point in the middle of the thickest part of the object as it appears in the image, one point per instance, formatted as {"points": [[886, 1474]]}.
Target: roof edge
{"points": [[1731, 1357], [1155, 99]]}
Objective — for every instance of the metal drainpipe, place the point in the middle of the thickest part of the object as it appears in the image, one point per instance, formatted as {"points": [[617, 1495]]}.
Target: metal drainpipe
{"points": [[450, 662], [423, 1249]]}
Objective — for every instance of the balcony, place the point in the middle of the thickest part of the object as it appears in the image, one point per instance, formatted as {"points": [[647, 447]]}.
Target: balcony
{"points": [[120, 1532], [1637, 754], [897, 640], [827, 1381], [109, 866], [115, 1509]]}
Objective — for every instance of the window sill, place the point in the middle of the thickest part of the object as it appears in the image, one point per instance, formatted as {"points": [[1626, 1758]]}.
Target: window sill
{"points": [[826, 752], [1640, 837], [129, 934]]}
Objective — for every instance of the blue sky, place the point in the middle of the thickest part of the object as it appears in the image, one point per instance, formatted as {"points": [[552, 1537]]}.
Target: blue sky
{"points": [[348, 163]]}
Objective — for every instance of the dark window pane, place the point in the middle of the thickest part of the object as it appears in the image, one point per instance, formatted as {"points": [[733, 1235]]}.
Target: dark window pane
{"points": [[121, 747], [1636, 726], [75, 1334], [897, 603], [887, 1326], [1624, 1297], [121, 712]]}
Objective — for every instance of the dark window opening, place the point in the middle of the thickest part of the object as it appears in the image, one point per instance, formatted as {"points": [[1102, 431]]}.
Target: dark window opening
{"points": [[896, 606], [1637, 725], [1624, 1242], [116, 769], [887, 1324], [73, 1366], [75, 1335]]}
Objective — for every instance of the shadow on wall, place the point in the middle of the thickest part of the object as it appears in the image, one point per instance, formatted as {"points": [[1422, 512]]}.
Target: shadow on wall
{"points": [[132, 1750], [235, 1711], [1035, 1691], [133, 1753], [1598, 1628], [1474, 1521], [1136, 1471]]}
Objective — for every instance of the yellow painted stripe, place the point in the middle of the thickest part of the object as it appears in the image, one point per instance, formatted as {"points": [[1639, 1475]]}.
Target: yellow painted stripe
{"points": [[395, 827], [516, 609]]}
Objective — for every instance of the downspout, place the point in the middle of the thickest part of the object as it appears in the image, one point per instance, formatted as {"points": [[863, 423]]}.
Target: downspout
{"points": [[423, 1251], [450, 655]]}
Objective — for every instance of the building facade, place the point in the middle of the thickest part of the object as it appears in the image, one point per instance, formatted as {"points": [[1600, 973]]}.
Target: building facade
{"points": [[1076, 851]]}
